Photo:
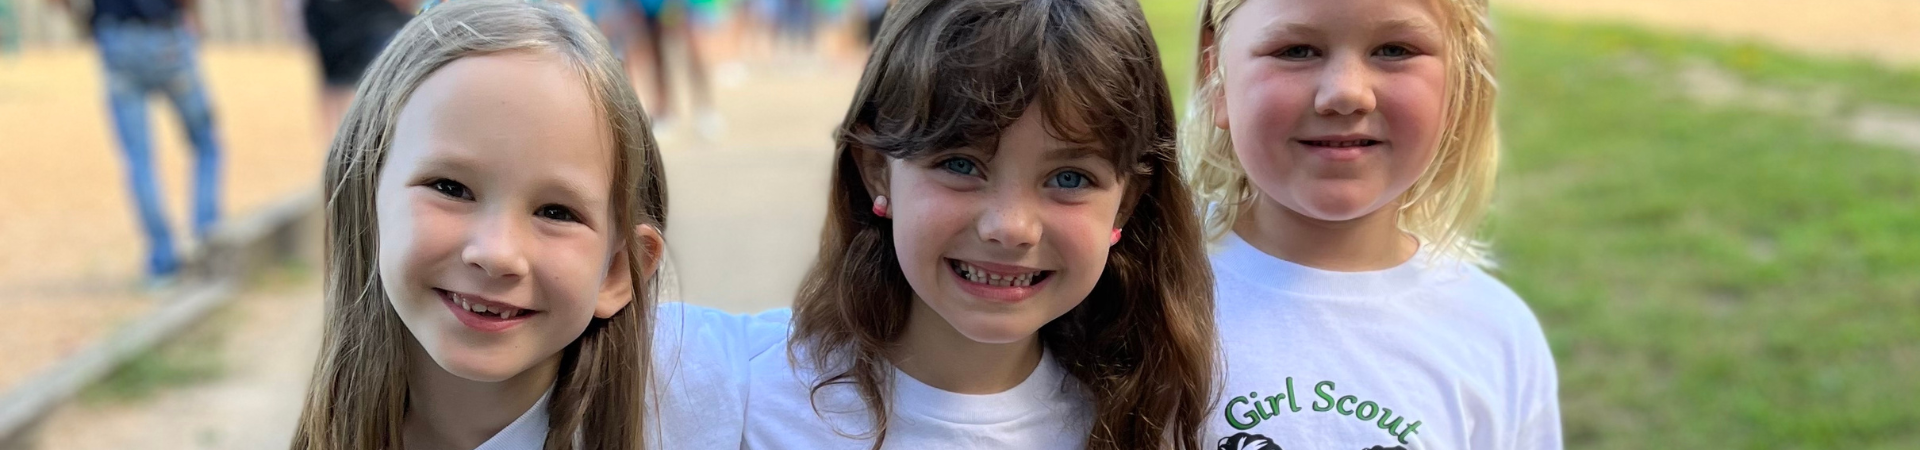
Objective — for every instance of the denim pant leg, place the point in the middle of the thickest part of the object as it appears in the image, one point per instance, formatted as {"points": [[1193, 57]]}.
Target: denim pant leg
{"points": [[128, 76], [184, 90]]}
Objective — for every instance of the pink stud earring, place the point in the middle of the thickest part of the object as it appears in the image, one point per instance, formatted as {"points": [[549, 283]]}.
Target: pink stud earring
{"points": [[880, 206], [1115, 239]]}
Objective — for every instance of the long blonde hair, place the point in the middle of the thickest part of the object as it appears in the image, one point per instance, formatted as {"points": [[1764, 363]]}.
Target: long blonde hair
{"points": [[358, 396], [950, 73], [1443, 208]]}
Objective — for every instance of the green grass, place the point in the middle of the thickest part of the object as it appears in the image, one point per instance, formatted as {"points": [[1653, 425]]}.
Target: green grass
{"points": [[192, 358], [196, 355], [1709, 277], [1855, 80], [1174, 24]]}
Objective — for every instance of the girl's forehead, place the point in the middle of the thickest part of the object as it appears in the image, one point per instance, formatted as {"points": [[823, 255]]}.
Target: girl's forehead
{"points": [[1048, 138], [528, 111]]}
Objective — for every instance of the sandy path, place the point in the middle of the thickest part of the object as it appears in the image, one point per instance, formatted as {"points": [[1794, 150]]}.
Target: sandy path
{"points": [[72, 250], [1884, 30], [272, 335]]}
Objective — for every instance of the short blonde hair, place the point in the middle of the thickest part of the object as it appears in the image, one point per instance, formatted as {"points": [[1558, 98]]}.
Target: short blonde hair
{"points": [[357, 399], [1443, 208]]}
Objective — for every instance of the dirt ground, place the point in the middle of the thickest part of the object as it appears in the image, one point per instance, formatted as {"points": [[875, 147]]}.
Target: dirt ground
{"points": [[1884, 30], [73, 251], [271, 337]]}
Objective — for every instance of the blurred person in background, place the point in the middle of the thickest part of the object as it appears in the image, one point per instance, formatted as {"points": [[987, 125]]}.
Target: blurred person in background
{"points": [[872, 12], [661, 24], [346, 36], [9, 29], [148, 46], [793, 25]]}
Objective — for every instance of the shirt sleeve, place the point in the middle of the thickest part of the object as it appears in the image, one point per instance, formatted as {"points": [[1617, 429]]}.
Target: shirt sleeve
{"points": [[1538, 426], [700, 372]]}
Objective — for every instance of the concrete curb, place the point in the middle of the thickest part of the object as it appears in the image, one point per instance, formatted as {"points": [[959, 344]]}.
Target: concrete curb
{"points": [[234, 252]]}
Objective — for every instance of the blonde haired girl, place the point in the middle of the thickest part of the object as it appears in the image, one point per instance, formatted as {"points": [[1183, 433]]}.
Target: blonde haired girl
{"points": [[1345, 154]]}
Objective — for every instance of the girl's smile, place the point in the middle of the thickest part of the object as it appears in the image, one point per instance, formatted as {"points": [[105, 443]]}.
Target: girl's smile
{"points": [[482, 314], [1342, 147], [1000, 282]]}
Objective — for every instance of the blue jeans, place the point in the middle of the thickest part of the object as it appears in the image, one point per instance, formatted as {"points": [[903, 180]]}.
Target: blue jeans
{"points": [[141, 59]]}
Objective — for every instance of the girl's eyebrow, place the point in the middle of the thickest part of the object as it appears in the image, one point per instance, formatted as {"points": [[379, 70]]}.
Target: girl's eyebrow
{"points": [[1407, 24], [1397, 24], [1074, 152], [450, 159]]}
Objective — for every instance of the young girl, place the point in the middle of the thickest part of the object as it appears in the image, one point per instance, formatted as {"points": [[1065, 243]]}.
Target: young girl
{"points": [[1345, 151], [1009, 259], [493, 210]]}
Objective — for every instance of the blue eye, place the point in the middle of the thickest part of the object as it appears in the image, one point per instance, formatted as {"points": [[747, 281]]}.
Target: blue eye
{"points": [[1069, 180], [961, 166]]}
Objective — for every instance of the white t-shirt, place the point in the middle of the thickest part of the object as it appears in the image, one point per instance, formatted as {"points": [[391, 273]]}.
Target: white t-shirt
{"points": [[1049, 410], [700, 373], [700, 369], [527, 432], [1424, 355]]}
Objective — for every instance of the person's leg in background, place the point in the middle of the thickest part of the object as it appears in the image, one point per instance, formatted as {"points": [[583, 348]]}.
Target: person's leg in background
{"points": [[188, 94], [128, 67], [706, 120]]}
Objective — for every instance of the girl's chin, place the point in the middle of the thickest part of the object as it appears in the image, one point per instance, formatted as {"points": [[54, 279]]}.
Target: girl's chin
{"points": [[1337, 203], [475, 365], [993, 330]]}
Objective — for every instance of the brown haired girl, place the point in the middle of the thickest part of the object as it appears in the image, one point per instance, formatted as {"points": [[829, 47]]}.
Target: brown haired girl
{"points": [[1010, 258]]}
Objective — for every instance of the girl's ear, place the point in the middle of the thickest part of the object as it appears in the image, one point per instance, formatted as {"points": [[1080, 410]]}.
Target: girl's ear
{"points": [[618, 289], [873, 169]]}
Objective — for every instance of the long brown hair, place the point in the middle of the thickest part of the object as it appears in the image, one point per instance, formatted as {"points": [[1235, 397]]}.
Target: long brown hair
{"points": [[358, 396], [949, 74]]}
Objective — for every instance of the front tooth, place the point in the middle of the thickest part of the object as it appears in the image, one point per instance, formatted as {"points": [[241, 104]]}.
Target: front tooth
{"points": [[509, 314], [480, 308]]}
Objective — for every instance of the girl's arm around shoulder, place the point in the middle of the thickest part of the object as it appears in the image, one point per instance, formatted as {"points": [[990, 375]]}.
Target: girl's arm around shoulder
{"points": [[700, 372]]}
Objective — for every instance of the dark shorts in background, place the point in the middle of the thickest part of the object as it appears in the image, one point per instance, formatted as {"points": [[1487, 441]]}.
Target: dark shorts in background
{"points": [[349, 34]]}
